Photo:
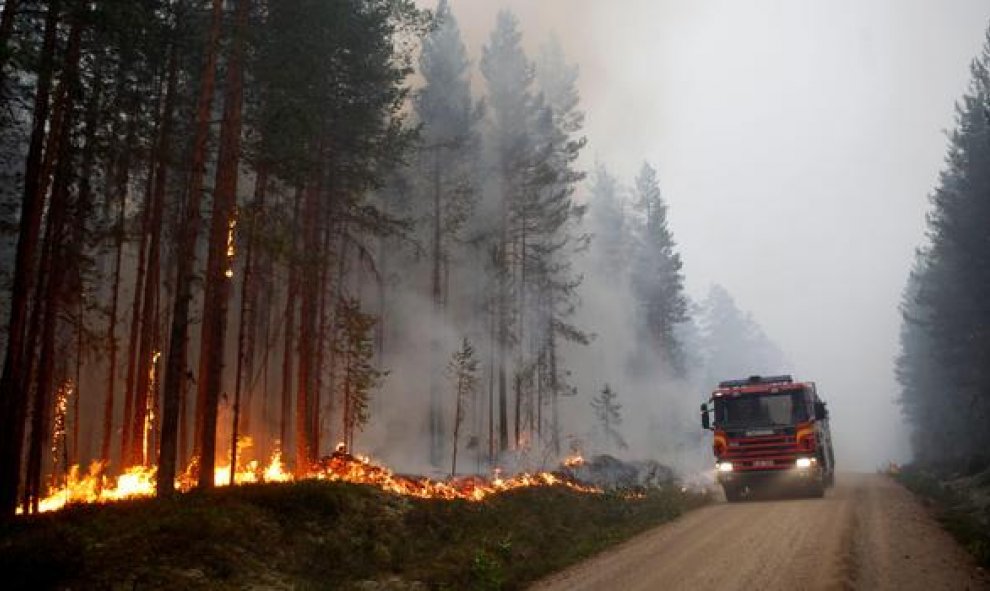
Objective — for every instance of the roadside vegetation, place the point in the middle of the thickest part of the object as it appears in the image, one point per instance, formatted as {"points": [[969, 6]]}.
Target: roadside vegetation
{"points": [[960, 500], [319, 535]]}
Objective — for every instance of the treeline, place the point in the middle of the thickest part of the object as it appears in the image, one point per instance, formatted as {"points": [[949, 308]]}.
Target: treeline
{"points": [[944, 364]]}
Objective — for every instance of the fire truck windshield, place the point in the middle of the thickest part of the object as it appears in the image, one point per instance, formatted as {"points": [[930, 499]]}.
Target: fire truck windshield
{"points": [[761, 410]]}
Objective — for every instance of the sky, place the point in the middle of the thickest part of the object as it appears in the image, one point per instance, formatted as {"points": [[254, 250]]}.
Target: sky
{"points": [[797, 143]]}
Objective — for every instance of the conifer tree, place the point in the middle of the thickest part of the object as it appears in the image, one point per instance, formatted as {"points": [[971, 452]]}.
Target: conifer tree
{"points": [[608, 414], [359, 376], [944, 366], [449, 143], [732, 342], [657, 280], [509, 76], [463, 372]]}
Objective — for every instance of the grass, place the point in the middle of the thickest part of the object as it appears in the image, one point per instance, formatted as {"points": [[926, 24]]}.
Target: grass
{"points": [[954, 508], [318, 535]]}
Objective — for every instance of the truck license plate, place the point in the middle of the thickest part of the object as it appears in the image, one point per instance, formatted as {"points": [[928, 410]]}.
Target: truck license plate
{"points": [[759, 432], [762, 463]]}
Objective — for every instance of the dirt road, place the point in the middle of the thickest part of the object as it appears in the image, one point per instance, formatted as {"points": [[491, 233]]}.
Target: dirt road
{"points": [[867, 533]]}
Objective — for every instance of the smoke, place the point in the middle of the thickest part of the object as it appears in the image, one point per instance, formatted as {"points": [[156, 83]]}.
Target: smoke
{"points": [[797, 145]]}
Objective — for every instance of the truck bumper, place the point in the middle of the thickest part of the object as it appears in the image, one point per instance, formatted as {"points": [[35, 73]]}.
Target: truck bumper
{"points": [[768, 479]]}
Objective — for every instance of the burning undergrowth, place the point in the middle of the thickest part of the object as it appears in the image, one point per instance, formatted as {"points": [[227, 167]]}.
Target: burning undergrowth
{"points": [[95, 486], [315, 533]]}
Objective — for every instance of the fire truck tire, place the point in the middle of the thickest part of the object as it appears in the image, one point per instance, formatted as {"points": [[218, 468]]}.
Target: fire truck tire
{"points": [[816, 490], [732, 494]]}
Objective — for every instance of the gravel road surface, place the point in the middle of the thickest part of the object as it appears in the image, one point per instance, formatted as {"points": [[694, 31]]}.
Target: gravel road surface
{"points": [[867, 533]]}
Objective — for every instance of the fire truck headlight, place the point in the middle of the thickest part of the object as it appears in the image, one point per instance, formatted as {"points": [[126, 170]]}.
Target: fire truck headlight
{"points": [[724, 466], [804, 462]]}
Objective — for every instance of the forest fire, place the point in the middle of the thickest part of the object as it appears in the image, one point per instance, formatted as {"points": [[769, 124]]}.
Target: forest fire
{"points": [[94, 486]]}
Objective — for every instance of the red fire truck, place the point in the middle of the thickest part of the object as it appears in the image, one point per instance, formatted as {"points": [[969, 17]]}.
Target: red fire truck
{"points": [[769, 431]]}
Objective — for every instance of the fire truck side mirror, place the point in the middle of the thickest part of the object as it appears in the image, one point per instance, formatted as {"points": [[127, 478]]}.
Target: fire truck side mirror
{"points": [[821, 413], [705, 423]]}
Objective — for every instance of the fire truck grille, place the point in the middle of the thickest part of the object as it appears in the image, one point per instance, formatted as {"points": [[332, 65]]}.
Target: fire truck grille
{"points": [[762, 453]]}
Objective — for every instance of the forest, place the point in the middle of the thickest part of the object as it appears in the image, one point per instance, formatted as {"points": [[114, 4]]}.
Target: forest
{"points": [[236, 229], [943, 368]]}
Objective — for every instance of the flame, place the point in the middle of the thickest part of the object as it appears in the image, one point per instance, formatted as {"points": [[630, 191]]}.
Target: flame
{"points": [[340, 466], [64, 391], [574, 461], [231, 247], [96, 487], [149, 409]]}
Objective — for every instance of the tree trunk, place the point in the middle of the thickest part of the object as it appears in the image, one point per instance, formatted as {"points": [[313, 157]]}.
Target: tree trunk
{"points": [[246, 326], [139, 452], [247, 322], [436, 412], [289, 336], [120, 188], [156, 160], [219, 263], [13, 387], [186, 255], [53, 268], [325, 329]]}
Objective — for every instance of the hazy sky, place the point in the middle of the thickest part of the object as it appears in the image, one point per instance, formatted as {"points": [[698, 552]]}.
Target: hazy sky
{"points": [[797, 142]]}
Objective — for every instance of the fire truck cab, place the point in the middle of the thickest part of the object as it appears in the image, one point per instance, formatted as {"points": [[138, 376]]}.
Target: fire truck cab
{"points": [[769, 431]]}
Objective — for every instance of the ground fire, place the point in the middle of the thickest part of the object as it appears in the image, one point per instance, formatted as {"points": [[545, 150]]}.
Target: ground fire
{"points": [[95, 486]]}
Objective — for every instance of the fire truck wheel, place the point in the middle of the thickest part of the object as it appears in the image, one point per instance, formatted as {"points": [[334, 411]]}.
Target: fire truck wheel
{"points": [[732, 494], [816, 490]]}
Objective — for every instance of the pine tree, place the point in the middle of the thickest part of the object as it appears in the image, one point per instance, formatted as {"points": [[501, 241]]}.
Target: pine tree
{"points": [[359, 377], [608, 414], [944, 367], [463, 372], [609, 226], [449, 139], [554, 221], [657, 280], [509, 76], [733, 344]]}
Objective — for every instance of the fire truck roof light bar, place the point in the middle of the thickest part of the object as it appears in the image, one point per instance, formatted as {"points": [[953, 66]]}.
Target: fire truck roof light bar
{"points": [[756, 380]]}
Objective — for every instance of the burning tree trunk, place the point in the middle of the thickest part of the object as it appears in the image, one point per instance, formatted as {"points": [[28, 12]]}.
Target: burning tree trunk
{"points": [[130, 379], [186, 254], [157, 163], [148, 328], [13, 384], [52, 269], [247, 322], [219, 266]]}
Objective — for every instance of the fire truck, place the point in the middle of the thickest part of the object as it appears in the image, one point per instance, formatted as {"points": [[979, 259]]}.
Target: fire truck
{"points": [[769, 431]]}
